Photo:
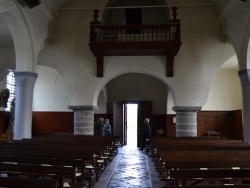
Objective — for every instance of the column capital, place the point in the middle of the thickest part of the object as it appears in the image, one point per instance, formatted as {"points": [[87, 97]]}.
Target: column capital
{"points": [[186, 108], [244, 76], [26, 79], [82, 107]]}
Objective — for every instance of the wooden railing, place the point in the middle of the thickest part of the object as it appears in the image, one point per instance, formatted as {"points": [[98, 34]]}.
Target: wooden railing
{"points": [[153, 39], [135, 33]]}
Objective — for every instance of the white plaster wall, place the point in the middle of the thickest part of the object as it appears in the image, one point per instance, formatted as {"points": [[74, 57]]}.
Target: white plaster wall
{"points": [[235, 26], [101, 104], [3, 84], [50, 91], [225, 92], [7, 61], [201, 54], [170, 103]]}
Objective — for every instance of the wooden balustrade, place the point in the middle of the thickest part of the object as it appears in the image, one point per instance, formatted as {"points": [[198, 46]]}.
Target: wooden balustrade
{"points": [[113, 40]]}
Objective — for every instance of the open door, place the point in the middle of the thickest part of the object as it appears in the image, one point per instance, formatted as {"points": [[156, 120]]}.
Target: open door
{"points": [[120, 121]]}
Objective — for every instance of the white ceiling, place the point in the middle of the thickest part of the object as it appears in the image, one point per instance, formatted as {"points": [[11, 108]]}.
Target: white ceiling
{"points": [[6, 38]]}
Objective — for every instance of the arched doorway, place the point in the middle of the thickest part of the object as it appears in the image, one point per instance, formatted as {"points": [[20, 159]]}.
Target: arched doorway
{"points": [[149, 93]]}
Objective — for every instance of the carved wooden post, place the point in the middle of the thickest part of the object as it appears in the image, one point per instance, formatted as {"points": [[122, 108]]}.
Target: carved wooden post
{"points": [[94, 27], [176, 34]]}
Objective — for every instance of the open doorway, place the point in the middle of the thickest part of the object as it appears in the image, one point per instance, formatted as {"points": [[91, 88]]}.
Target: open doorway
{"points": [[132, 113], [144, 109]]}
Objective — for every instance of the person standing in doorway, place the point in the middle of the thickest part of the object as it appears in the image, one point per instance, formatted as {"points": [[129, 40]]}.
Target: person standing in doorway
{"points": [[99, 127], [107, 128], [146, 133]]}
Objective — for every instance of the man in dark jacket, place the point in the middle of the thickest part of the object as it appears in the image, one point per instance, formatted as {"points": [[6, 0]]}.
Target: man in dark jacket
{"points": [[146, 133], [99, 128]]}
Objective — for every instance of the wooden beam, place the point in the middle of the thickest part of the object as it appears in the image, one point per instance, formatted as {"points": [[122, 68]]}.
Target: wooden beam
{"points": [[170, 64], [99, 64]]}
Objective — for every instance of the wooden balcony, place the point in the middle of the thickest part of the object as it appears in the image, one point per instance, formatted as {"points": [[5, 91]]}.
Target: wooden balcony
{"points": [[135, 40]]}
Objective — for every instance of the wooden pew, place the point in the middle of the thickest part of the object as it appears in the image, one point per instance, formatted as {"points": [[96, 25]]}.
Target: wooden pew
{"points": [[57, 172], [156, 142], [199, 153], [195, 176], [205, 186], [70, 148], [27, 182]]}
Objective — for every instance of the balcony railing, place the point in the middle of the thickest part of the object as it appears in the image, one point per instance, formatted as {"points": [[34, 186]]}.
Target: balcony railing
{"points": [[135, 33], [135, 40]]}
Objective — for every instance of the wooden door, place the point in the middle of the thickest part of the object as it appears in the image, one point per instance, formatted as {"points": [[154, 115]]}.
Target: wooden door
{"points": [[125, 135], [144, 111], [118, 121]]}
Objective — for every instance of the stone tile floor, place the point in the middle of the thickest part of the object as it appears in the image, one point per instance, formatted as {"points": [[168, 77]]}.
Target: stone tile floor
{"points": [[130, 168]]}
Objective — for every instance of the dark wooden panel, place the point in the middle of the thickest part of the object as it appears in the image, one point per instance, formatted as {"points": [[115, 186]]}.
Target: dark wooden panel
{"points": [[171, 127], [4, 121], [158, 121], [118, 121], [45, 122], [238, 123], [228, 123]]}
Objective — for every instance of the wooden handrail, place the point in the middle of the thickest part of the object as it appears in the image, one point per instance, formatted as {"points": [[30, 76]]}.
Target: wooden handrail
{"points": [[146, 39], [135, 33]]}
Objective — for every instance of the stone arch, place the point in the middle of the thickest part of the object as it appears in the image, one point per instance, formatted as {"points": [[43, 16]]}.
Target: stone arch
{"points": [[17, 24], [150, 74], [246, 45]]}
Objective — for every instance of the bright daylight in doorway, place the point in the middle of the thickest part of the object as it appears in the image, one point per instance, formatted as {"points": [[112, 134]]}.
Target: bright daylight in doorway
{"points": [[132, 125]]}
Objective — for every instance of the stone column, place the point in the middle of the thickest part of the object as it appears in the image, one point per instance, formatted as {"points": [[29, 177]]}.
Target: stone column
{"points": [[83, 119], [245, 85], [186, 120], [23, 108]]}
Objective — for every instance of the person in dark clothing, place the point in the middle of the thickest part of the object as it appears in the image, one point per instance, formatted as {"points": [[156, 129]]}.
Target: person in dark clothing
{"points": [[146, 133], [99, 128]]}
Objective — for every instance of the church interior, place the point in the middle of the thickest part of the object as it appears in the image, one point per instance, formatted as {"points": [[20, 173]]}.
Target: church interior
{"points": [[182, 64]]}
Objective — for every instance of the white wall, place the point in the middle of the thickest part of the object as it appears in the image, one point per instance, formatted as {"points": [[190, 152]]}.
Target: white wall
{"points": [[101, 104], [3, 84], [50, 91], [225, 92], [7, 61], [201, 54]]}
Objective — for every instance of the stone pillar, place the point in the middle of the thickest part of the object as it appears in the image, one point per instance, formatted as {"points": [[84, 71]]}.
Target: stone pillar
{"points": [[245, 85], [23, 108], [83, 119], [186, 120]]}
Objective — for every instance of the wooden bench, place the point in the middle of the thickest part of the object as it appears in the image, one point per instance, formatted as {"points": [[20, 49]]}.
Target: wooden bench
{"points": [[227, 176], [55, 157], [58, 172], [58, 149], [205, 186], [196, 153], [78, 164], [27, 182]]}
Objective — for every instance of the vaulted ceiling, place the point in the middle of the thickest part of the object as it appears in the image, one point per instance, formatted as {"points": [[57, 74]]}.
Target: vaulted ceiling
{"points": [[51, 6]]}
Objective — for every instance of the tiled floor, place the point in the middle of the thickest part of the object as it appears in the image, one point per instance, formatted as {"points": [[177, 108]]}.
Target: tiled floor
{"points": [[131, 168]]}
